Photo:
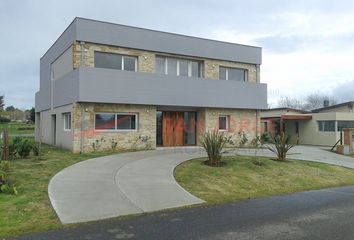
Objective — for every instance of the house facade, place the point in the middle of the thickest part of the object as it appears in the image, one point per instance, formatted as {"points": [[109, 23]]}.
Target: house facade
{"points": [[107, 86], [321, 126]]}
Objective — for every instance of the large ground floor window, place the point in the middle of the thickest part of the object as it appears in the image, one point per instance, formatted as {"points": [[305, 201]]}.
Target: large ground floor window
{"points": [[116, 121]]}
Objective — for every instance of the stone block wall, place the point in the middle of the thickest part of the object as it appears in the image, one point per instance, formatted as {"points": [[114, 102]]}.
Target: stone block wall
{"points": [[239, 121], [146, 60], [91, 140]]}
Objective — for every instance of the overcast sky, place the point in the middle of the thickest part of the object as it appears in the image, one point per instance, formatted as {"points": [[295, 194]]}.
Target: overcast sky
{"points": [[308, 46]]}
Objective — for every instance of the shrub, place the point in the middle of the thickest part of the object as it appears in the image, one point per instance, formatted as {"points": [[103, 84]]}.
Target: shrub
{"points": [[213, 143], [4, 119], [281, 146], [25, 147], [5, 184], [265, 138], [243, 139], [256, 142]]}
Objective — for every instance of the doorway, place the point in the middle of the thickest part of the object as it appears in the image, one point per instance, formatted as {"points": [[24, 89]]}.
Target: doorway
{"points": [[54, 129], [175, 128]]}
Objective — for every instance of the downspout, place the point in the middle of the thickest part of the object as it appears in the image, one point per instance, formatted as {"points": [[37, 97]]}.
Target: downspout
{"points": [[82, 51], [82, 138], [258, 81]]}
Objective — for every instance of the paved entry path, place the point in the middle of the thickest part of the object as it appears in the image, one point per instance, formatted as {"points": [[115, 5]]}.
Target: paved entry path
{"points": [[121, 184], [132, 183]]}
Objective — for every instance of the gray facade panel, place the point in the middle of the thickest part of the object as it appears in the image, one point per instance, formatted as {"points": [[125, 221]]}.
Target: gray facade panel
{"points": [[114, 86], [132, 37], [66, 89]]}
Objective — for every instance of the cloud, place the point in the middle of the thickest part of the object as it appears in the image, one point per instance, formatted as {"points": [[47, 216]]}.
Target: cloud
{"points": [[307, 44]]}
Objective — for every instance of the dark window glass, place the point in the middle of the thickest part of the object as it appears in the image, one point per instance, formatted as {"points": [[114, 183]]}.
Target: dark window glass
{"points": [[129, 63], [108, 60], [222, 73], [190, 122], [104, 121], [345, 124], [236, 74], [326, 126], [159, 128], [160, 65], [183, 68], [172, 66], [195, 69], [126, 122], [223, 123]]}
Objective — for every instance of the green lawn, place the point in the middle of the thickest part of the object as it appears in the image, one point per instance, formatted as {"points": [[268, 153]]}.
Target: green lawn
{"points": [[18, 128], [241, 179], [30, 210]]}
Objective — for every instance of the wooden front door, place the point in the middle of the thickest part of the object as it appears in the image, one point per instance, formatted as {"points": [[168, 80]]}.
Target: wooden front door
{"points": [[172, 130]]}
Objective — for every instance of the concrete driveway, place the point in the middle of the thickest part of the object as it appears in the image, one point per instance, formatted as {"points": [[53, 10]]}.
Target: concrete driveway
{"points": [[122, 184], [133, 183]]}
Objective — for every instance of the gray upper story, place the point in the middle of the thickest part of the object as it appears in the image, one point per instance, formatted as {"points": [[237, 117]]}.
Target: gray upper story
{"points": [[84, 84]]}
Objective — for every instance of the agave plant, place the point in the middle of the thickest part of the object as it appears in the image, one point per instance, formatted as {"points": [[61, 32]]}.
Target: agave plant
{"points": [[281, 146], [213, 143]]}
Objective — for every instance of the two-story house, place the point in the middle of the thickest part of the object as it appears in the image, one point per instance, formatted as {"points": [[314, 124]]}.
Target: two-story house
{"points": [[105, 85]]}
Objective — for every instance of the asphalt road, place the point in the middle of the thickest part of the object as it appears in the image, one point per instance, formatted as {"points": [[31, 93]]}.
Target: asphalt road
{"points": [[323, 214]]}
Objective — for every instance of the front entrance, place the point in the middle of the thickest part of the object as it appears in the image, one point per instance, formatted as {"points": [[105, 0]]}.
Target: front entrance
{"points": [[175, 128]]}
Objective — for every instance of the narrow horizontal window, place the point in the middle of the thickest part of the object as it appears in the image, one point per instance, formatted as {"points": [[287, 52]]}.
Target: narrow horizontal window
{"points": [[178, 67], [326, 126], [234, 74], [108, 60], [345, 124], [105, 121], [115, 61]]}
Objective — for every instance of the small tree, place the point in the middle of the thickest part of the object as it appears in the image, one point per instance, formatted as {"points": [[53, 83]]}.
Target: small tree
{"points": [[213, 143], [281, 146]]}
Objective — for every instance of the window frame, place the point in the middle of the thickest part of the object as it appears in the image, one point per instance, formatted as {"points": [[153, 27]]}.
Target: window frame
{"points": [[189, 66], [122, 61], [65, 121], [321, 126], [115, 122], [227, 119], [227, 73]]}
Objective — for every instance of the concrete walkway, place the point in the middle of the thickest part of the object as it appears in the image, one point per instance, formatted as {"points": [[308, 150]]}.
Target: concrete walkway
{"points": [[122, 184], [132, 183]]}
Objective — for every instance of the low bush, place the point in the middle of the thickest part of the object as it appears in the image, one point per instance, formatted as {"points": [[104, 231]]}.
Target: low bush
{"points": [[213, 143], [4, 119], [20, 147], [25, 128], [5, 184], [281, 146]]}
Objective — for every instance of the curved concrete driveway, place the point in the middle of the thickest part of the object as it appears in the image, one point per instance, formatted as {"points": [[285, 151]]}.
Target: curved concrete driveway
{"points": [[138, 182], [121, 184]]}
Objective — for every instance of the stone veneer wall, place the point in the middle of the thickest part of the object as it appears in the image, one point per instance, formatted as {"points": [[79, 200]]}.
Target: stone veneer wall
{"points": [[103, 139], [146, 60], [239, 121]]}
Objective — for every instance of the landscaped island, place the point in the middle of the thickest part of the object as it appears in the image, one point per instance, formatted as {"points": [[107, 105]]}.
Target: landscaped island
{"points": [[246, 178]]}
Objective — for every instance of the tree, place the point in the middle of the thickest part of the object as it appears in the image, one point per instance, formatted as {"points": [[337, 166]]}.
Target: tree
{"points": [[32, 115], [316, 100], [2, 103], [288, 102], [10, 109]]}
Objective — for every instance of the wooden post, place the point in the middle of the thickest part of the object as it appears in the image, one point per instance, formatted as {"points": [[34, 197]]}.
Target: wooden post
{"points": [[5, 152]]}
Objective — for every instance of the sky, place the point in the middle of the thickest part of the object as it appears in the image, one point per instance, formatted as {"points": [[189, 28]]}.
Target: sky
{"points": [[307, 44]]}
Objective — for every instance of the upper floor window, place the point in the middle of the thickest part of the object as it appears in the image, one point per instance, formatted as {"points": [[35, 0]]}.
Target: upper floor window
{"points": [[235, 74], [178, 67], [115, 61]]}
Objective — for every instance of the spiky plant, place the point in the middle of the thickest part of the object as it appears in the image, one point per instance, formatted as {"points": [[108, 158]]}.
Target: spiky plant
{"points": [[281, 146], [213, 143]]}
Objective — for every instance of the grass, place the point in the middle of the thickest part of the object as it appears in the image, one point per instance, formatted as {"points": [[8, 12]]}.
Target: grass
{"points": [[30, 210], [15, 128], [242, 179]]}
